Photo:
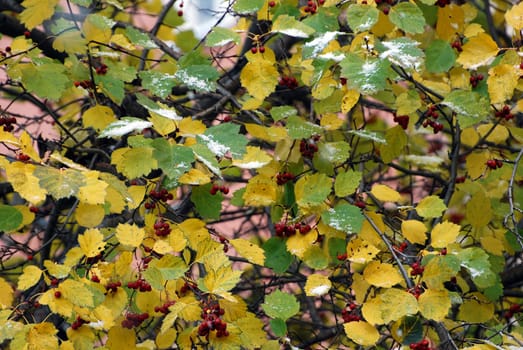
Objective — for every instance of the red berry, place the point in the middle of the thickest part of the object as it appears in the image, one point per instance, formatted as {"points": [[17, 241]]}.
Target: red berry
{"points": [[386, 10], [27, 34], [262, 49], [254, 49], [180, 13], [30, 257], [272, 3], [95, 278], [57, 294]]}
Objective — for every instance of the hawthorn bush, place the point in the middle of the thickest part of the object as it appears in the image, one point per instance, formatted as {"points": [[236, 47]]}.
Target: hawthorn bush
{"points": [[325, 174]]}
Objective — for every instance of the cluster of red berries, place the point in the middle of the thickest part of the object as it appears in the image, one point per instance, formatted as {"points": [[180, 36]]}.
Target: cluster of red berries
{"points": [[256, 49], [33, 209], [456, 44], [504, 113], [417, 269], [164, 309], [401, 248], [283, 178], [162, 228], [134, 320], [443, 3], [422, 345], [494, 163], [432, 114], [180, 11], [341, 256], [113, 286], [309, 147], [287, 230], [101, 69], [95, 279], [513, 309], [86, 84], [416, 291], [7, 123], [212, 321], [312, 6], [288, 82], [475, 79], [140, 284], [215, 188], [23, 157], [187, 287], [349, 313], [162, 195], [402, 120], [78, 323]]}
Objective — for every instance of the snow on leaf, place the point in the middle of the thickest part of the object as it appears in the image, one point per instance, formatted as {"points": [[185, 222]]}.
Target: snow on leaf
{"points": [[201, 78], [288, 25], [124, 126], [157, 108], [314, 47], [362, 17], [368, 135], [404, 52], [317, 285]]}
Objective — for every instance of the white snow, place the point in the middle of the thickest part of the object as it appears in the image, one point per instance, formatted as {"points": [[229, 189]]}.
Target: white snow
{"points": [[320, 42], [215, 147], [125, 126], [320, 290], [397, 55]]}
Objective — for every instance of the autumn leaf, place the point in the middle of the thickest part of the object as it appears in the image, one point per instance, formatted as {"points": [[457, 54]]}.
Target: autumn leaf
{"points": [[434, 304], [91, 242], [444, 234], [431, 207], [30, 276], [415, 231], [317, 285], [361, 332], [130, 235], [249, 250], [381, 274], [479, 51], [36, 12]]}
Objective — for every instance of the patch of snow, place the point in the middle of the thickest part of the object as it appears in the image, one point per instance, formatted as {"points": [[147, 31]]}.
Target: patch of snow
{"points": [[320, 290], [320, 42], [215, 147], [125, 126], [397, 55], [293, 32]]}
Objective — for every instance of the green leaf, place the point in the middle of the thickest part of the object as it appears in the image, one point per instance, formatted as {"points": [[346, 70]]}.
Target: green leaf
{"points": [[112, 86], [403, 52], [174, 160], [440, 56], [344, 217], [60, 183], [157, 108], [277, 257], [334, 152], [201, 78], [208, 206], [278, 326], [346, 183], [408, 17], [154, 277], [368, 76], [396, 142], [136, 162], [247, 6], [282, 112], [139, 38], [368, 135], [290, 26], [313, 48], [431, 207], [220, 36], [282, 305], [159, 83], [316, 257], [301, 129], [312, 190], [171, 267], [361, 18], [124, 126], [47, 80], [10, 218], [470, 106], [204, 155], [224, 138], [476, 261], [324, 20]]}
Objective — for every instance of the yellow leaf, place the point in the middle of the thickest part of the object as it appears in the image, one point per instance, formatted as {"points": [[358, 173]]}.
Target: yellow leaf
{"points": [[221, 281], [381, 274], [60, 305], [57, 270], [431, 207], [444, 234], [166, 339], [260, 191], [24, 182], [437, 272], [451, 20], [97, 28], [473, 29], [20, 44], [331, 121], [254, 158], [89, 215], [42, 336], [324, 87], [514, 17], [298, 243], [26, 146], [122, 41], [91, 242], [6, 297], [189, 127], [385, 194], [368, 233], [459, 78], [362, 333], [492, 245], [407, 102], [273, 133], [71, 42], [469, 137], [249, 251], [251, 330], [384, 308], [163, 125], [478, 51], [29, 277], [77, 293], [37, 11], [28, 216], [98, 117], [260, 76], [360, 251], [497, 134], [415, 231], [478, 210], [501, 82], [130, 235], [476, 308], [317, 285], [475, 164], [434, 304], [349, 100], [194, 177], [162, 247], [121, 338], [137, 193]]}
